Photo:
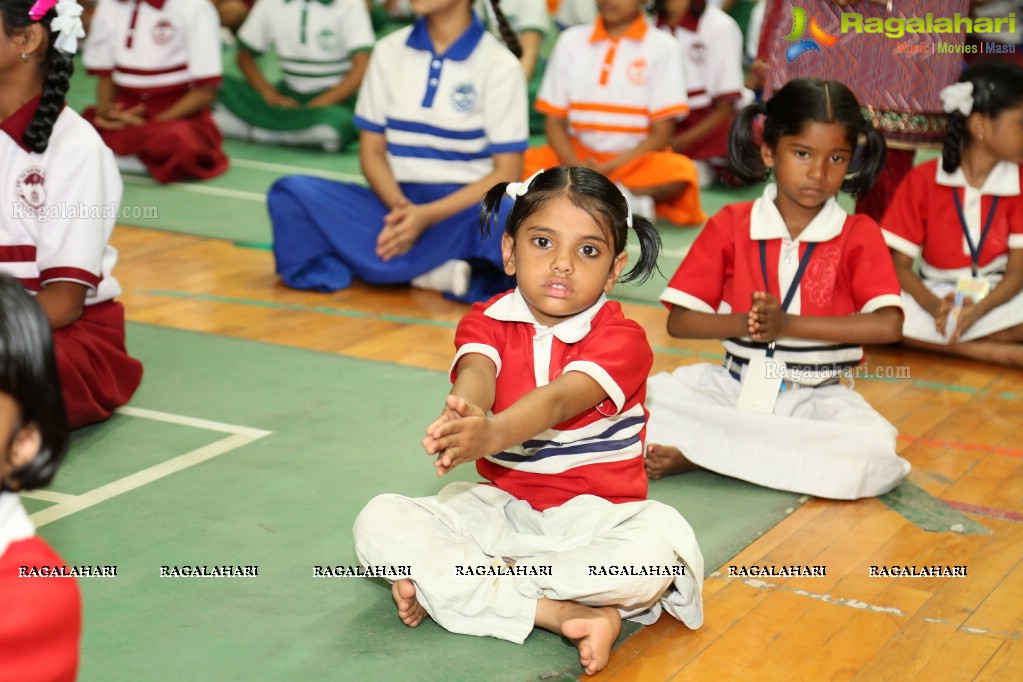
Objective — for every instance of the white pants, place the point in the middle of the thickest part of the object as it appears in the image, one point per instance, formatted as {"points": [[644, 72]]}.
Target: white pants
{"points": [[919, 324], [828, 442], [471, 525]]}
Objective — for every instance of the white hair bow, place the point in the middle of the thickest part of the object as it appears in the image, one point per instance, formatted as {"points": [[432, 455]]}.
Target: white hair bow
{"points": [[517, 189], [68, 26], [957, 97]]}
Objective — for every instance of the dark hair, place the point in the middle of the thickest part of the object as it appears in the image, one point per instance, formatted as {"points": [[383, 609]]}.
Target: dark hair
{"points": [[28, 374], [800, 102], [695, 10], [997, 86], [590, 191], [508, 34], [58, 67]]}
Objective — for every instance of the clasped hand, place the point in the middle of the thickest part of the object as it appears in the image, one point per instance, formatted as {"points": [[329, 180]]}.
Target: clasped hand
{"points": [[117, 117], [767, 321], [462, 433], [402, 228]]}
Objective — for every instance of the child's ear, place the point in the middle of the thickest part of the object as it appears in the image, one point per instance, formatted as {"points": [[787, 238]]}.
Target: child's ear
{"points": [[617, 267], [767, 154], [30, 39], [508, 254], [978, 125], [26, 445]]}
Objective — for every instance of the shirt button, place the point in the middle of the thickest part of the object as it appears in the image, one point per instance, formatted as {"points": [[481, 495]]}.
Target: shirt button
{"points": [[433, 81], [435, 63]]}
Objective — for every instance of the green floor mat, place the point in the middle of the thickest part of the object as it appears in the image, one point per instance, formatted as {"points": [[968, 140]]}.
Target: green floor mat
{"points": [[341, 431]]}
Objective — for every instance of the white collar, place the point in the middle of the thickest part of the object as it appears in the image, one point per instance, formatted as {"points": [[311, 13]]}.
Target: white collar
{"points": [[14, 522], [1003, 180], [766, 221], [513, 308]]}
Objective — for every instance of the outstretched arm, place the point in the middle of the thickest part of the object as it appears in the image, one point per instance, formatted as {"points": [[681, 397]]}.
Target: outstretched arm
{"points": [[475, 434]]}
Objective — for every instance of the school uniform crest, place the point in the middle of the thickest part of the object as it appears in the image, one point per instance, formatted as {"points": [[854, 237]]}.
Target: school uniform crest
{"points": [[327, 40], [636, 71], [698, 53], [163, 32], [30, 187], [463, 97]]}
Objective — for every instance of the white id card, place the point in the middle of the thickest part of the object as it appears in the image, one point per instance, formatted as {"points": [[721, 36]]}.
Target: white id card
{"points": [[973, 288], [761, 384]]}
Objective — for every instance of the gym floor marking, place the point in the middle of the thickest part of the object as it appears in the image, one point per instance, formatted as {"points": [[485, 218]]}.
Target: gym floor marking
{"points": [[146, 181], [70, 504]]}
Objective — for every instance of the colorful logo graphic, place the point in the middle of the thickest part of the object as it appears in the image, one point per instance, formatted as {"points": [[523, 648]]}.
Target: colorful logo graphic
{"points": [[818, 36]]}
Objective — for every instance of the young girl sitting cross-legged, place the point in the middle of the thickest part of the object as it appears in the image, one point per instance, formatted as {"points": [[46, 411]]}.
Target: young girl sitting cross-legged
{"points": [[793, 286], [549, 382]]}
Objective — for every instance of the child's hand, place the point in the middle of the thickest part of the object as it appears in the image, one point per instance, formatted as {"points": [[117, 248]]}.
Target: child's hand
{"points": [[402, 228], [942, 310], [968, 316], [276, 99], [461, 434], [767, 321], [117, 117]]}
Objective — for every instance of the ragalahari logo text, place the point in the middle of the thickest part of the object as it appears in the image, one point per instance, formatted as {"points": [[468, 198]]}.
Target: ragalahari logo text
{"points": [[818, 36]]}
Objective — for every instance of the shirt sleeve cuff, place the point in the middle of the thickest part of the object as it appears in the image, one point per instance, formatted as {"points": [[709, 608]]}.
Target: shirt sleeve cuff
{"points": [[684, 300], [901, 244], [600, 375], [481, 349], [882, 301]]}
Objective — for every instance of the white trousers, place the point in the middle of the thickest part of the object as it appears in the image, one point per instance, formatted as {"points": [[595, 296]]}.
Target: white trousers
{"points": [[581, 551], [827, 442], [919, 324]]}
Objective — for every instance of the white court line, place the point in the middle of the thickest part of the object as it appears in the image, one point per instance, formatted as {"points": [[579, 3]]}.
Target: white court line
{"points": [[297, 170], [198, 189], [48, 496], [670, 253], [69, 504]]}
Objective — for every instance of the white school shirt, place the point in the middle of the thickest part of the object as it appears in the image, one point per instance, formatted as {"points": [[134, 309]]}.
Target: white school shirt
{"points": [[444, 116], [314, 39], [60, 206], [155, 45], [611, 90], [713, 54], [522, 16]]}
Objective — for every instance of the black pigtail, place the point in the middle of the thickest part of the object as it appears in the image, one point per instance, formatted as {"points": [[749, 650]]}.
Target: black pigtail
{"points": [[491, 207], [952, 148], [59, 67], [508, 34], [870, 156], [649, 250], [744, 159]]}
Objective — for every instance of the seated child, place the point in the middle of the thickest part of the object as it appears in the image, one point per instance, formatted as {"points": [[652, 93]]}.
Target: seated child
{"points": [[793, 285], [442, 115], [712, 44], [964, 217], [612, 92], [549, 381], [42, 616], [54, 236], [323, 49], [159, 67]]}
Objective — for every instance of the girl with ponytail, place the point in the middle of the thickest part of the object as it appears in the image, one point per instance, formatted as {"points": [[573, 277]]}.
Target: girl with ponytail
{"points": [[793, 286], [60, 206], [962, 216]]}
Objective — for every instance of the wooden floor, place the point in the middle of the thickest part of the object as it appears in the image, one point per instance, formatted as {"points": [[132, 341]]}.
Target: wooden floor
{"points": [[960, 423]]}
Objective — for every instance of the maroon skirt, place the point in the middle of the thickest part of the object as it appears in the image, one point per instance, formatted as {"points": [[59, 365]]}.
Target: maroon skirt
{"points": [[96, 373]]}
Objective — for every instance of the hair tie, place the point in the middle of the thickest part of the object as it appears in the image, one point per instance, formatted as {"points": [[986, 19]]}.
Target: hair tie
{"points": [[957, 97], [67, 24], [518, 189], [628, 208]]}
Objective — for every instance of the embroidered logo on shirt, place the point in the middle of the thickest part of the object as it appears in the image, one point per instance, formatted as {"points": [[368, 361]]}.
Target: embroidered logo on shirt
{"points": [[698, 53], [327, 40], [636, 71], [463, 97], [163, 32], [29, 187], [821, 272]]}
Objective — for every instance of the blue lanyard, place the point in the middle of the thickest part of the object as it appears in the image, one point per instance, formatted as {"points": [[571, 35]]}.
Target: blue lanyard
{"points": [[793, 287], [974, 250]]}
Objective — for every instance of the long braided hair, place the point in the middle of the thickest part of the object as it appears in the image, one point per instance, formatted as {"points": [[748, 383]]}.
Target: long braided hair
{"points": [[57, 65]]}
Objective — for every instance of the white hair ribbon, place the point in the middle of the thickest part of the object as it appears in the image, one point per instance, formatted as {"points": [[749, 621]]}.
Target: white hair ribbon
{"points": [[517, 189], [957, 97], [68, 26], [628, 211]]}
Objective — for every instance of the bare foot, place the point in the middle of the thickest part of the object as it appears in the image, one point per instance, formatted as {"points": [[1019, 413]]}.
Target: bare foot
{"points": [[665, 460], [410, 610], [593, 630]]}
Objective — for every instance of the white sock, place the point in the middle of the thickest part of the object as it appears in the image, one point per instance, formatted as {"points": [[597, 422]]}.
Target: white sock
{"points": [[453, 276], [131, 164]]}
